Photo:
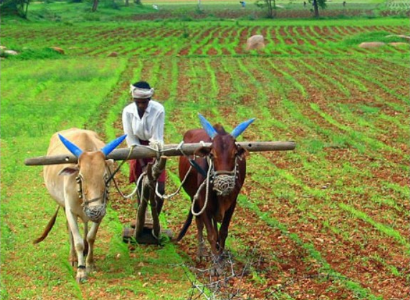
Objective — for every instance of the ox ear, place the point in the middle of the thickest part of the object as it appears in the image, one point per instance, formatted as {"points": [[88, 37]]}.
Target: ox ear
{"points": [[112, 145], [69, 171], [210, 130], [70, 146], [241, 128], [203, 151], [242, 152]]}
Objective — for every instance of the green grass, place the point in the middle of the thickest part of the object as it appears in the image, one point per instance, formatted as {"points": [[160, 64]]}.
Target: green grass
{"points": [[345, 176]]}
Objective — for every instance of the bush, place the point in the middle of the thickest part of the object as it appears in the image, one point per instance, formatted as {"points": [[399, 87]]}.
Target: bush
{"points": [[377, 36], [14, 8], [26, 54]]}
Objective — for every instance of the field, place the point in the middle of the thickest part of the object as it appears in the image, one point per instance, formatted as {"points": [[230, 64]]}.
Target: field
{"points": [[328, 220]]}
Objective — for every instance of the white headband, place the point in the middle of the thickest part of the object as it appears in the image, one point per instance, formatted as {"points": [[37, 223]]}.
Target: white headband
{"points": [[141, 93]]}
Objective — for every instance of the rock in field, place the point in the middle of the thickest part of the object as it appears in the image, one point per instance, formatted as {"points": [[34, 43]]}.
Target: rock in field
{"points": [[113, 54], [398, 44], [255, 42], [11, 52], [58, 49], [371, 44]]}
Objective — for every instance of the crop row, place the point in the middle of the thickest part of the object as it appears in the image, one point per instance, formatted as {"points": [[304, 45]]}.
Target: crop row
{"points": [[344, 179], [196, 39], [326, 219]]}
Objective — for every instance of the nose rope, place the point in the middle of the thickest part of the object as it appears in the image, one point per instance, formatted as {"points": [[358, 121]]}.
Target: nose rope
{"points": [[223, 184]]}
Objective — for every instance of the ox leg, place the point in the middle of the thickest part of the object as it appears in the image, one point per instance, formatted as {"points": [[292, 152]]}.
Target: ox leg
{"points": [[223, 231], [72, 258], [78, 245], [212, 235], [73, 255], [91, 236], [85, 252], [201, 252]]}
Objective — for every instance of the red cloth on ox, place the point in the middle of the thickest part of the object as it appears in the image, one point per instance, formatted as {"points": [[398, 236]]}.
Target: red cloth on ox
{"points": [[136, 169]]}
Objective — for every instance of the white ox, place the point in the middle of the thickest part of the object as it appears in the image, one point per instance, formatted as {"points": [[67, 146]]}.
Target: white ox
{"points": [[81, 189]]}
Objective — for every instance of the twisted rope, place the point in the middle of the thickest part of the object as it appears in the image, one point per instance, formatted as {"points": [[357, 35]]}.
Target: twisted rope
{"points": [[206, 181]]}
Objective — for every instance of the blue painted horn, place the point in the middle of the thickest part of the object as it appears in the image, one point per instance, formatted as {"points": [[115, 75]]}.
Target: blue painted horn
{"points": [[210, 130], [241, 128], [112, 145], [107, 149], [70, 146]]}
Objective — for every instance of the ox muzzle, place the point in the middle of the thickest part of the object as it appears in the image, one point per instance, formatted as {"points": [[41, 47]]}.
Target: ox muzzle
{"points": [[224, 181], [223, 184], [96, 212]]}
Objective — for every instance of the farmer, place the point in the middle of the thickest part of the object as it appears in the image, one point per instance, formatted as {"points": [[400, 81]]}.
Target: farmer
{"points": [[143, 122]]}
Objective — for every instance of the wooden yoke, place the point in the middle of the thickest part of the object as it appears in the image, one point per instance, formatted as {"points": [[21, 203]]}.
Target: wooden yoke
{"points": [[168, 150]]}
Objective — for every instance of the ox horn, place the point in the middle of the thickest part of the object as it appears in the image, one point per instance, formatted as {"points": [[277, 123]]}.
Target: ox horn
{"points": [[210, 130], [70, 146], [107, 149], [241, 128]]}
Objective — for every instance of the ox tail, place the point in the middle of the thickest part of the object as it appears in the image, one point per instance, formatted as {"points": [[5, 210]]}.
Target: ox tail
{"points": [[185, 227], [48, 228]]}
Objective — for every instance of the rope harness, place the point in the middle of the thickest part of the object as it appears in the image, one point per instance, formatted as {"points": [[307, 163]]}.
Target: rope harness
{"points": [[223, 184], [97, 212], [223, 181]]}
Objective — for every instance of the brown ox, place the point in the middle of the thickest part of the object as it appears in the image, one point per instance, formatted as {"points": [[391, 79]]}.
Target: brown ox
{"points": [[82, 190], [214, 181]]}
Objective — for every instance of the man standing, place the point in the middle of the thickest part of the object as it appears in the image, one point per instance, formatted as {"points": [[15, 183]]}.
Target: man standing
{"points": [[143, 122]]}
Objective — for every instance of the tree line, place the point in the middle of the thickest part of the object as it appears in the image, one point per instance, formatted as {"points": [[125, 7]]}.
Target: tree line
{"points": [[20, 7]]}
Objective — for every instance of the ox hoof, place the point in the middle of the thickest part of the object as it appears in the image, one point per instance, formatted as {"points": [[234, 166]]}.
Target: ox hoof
{"points": [[200, 257], [81, 279], [218, 265], [217, 270], [81, 274]]}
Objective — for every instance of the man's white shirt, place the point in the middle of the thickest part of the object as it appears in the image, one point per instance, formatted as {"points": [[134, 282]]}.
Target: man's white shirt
{"points": [[149, 127]]}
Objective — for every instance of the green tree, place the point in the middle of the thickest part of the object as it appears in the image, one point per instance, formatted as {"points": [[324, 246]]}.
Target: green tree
{"points": [[269, 6], [316, 5], [14, 7]]}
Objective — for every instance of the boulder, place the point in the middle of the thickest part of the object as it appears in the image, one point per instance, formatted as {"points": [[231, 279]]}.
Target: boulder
{"points": [[113, 54], [398, 44], [11, 52], [399, 35], [255, 42], [59, 50], [371, 44]]}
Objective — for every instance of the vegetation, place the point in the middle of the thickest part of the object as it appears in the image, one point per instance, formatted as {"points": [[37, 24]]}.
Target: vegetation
{"points": [[15, 7], [328, 220], [268, 5]]}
